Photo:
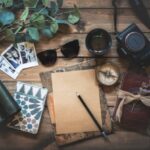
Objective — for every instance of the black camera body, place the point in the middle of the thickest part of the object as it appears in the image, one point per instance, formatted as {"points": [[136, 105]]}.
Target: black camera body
{"points": [[134, 46]]}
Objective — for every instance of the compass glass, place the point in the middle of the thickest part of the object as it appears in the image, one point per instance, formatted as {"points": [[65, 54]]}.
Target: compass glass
{"points": [[108, 74]]}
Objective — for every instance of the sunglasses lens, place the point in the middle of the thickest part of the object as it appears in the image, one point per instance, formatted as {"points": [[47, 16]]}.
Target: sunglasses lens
{"points": [[48, 57], [70, 49]]}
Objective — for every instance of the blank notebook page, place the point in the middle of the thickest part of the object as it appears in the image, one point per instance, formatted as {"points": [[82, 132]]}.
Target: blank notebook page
{"points": [[71, 116]]}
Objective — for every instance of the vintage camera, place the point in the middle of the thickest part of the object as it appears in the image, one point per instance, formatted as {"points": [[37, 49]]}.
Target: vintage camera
{"points": [[134, 46]]}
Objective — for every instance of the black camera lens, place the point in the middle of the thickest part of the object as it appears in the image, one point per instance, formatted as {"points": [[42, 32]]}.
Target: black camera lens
{"points": [[98, 42], [135, 41]]}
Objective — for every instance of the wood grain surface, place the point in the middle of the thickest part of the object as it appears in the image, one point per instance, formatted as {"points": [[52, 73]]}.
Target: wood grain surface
{"points": [[95, 14]]}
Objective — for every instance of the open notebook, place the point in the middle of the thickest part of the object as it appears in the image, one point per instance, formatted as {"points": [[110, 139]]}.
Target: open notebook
{"points": [[65, 139]]}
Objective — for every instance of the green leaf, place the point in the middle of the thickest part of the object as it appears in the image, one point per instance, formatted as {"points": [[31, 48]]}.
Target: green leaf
{"points": [[44, 12], [47, 32], [60, 3], [74, 17], [54, 8], [32, 34], [25, 14], [6, 17], [9, 35], [30, 3], [7, 3], [38, 20], [46, 3], [54, 26]]}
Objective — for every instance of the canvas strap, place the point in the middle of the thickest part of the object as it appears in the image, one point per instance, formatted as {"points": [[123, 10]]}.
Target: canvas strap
{"points": [[127, 97]]}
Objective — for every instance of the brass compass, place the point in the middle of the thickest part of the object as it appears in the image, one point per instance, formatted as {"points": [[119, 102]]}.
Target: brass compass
{"points": [[108, 74]]}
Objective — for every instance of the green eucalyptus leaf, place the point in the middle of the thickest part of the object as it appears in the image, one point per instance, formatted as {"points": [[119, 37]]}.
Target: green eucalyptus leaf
{"points": [[25, 14], [30, 3], [32, 34], [54, 26], [54, 8], [47, 32], [7, 3], [60, 3], [44, 12], [6, 17], [38, 20], [46, 3], [74, 17], [9, 35]]}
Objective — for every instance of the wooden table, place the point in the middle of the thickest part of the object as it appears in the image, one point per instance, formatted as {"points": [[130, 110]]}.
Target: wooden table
{"points": [[95, 14]]}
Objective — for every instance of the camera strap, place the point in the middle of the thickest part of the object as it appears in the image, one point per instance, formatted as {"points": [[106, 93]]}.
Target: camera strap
{"points": [[139, 9], [114, 3]]}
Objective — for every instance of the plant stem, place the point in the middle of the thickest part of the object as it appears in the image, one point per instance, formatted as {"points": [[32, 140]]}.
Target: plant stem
{"points": [[67, 12]]}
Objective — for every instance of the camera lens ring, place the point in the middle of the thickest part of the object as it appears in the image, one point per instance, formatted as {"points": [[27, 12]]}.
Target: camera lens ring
{"points": [[135, 42]]}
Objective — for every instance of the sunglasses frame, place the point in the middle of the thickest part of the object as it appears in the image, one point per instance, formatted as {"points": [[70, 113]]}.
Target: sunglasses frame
{"points": [[66, 49]]}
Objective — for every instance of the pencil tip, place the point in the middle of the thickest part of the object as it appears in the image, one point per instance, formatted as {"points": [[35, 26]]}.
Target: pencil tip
{"points": [[77, 93]]}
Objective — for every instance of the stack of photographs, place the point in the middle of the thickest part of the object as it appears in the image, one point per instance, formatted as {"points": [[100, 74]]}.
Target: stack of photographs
{"points": [[18, 57]]}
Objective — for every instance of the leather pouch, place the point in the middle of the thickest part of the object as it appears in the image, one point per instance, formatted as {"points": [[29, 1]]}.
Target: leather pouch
{"points": [[8, 106]]}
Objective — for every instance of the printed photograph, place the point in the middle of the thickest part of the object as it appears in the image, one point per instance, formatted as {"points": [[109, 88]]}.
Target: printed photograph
{"points": [[28, 54], [13, 57], [7, 68]]}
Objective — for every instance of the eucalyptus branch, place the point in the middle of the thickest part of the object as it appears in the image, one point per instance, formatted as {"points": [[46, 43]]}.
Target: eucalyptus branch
{"points": [[44, 21], [9, 26], [5, 27]]}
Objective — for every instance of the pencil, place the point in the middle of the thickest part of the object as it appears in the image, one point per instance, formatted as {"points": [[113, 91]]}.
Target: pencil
{"points": [[92, 116]]}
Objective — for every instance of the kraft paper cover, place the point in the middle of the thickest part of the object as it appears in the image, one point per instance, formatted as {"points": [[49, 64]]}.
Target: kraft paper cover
{"points": [[70, 114]]}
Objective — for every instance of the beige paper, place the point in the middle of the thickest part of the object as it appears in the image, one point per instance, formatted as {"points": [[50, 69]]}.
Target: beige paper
{"points": [[70, 114], [50, 104]]}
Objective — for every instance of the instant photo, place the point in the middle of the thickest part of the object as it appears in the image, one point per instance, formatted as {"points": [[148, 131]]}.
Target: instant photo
{"points": [[12, 55], [28, 54], [7, 68]]}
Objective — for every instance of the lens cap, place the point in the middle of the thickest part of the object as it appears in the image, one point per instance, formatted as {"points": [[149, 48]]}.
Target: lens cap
{"points": [[135, 41]]}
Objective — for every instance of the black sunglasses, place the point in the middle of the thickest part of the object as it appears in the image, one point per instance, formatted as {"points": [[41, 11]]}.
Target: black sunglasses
{"points": [[69, 50]]}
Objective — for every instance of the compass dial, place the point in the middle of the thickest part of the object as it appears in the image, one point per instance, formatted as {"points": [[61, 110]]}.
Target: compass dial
{"points": [[108, 74]]}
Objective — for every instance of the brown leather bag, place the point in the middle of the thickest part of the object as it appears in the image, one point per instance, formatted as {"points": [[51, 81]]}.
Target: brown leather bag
{"points": [[135, 115]]}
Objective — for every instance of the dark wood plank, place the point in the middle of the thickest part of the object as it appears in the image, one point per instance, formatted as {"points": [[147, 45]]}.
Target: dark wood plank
{"points": [[11, 139], [101, 17], [121, 140], [99, 3]]}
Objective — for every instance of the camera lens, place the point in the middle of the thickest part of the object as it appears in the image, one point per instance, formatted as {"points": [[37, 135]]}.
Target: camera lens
{"points": [[135, 41], [98, 42]]}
